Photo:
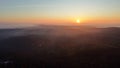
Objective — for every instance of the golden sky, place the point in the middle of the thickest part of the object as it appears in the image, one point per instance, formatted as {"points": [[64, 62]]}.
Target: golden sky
{"points": [[61, 12]]}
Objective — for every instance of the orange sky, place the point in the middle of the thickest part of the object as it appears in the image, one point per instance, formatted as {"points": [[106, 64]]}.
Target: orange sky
{"points": [[61, 12]]}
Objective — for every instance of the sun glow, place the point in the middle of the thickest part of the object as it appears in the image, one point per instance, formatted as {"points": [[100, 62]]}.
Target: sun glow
{"points": [[78, 21]]}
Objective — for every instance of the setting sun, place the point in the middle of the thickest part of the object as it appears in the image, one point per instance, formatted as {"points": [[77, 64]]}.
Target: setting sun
{"points": [[77, 21]]}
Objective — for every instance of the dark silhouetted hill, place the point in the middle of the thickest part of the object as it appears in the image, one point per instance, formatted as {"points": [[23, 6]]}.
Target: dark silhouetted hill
{"points": [[60, 47]]}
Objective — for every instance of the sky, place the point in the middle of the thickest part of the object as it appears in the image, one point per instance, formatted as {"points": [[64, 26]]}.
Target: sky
{"points": [[61, 12]]}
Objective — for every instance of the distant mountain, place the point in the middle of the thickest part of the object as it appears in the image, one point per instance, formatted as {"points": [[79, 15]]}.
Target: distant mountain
{"points": [[14, 25]]}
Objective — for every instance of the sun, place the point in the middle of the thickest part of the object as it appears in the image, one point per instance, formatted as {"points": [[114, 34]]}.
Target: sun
{"points": [[78, 21]]}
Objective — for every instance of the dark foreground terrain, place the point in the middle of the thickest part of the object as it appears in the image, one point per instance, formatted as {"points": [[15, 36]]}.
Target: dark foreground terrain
{"points": [[60, 47]]}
